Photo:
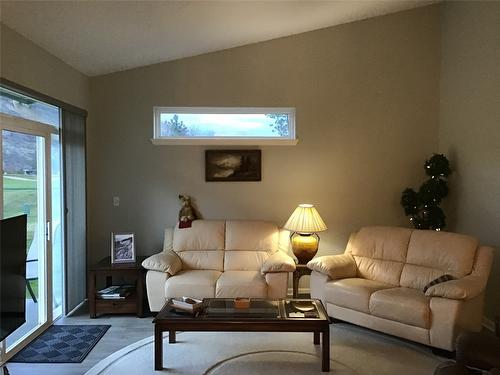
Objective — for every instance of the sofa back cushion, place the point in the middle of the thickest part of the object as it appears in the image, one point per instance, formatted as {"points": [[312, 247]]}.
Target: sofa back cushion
{"points": [[432, 254], [202, 260], [251, 235], [201, 247], [380, 252], [244, 260], [248, 244]]}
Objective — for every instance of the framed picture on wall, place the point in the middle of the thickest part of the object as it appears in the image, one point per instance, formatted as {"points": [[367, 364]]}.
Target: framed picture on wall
{"points": [[232, 165], [122, 248]]}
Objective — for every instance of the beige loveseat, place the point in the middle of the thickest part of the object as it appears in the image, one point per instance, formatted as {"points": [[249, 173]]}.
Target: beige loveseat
{"points": [[220, 259], [378, 283]]}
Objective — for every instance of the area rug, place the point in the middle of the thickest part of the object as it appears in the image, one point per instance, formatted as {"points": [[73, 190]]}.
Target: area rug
{"points": [[353, 351], [62, 344]]}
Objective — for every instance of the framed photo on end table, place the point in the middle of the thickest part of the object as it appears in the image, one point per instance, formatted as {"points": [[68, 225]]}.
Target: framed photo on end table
{"points": [[122, 248]]}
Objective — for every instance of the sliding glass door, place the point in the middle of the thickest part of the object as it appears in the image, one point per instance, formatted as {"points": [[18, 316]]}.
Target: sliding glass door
{"points": [[24, 187], [31, 184]]}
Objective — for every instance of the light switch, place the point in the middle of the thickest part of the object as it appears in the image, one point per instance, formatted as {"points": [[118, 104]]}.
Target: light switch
{"points": [[116, 201]]}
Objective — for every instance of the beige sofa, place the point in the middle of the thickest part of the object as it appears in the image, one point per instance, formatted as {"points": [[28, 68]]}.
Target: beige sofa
{"points": [[378, 283], [220, 259]]}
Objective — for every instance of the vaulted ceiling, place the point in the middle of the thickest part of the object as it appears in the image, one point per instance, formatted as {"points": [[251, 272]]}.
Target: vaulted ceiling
{"points": [[99, 37]]}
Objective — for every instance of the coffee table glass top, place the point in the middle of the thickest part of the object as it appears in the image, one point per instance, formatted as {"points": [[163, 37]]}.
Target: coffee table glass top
{"points": [[259, 309], [225, 308]]}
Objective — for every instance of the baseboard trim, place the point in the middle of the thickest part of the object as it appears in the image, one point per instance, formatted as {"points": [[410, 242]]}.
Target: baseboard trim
{"points": [[77, 307]]}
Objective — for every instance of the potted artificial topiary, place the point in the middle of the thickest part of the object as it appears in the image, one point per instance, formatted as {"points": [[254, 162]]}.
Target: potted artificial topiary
{"points": [[423, 206]]}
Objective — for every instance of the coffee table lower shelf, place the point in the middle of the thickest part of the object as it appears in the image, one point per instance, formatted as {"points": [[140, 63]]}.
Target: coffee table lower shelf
{"points": [[318, 327]]}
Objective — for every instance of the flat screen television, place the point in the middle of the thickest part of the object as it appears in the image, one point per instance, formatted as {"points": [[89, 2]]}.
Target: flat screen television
{"points": [[12, 274]]}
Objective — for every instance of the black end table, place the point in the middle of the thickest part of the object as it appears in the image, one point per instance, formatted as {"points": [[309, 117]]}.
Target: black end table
{"points": [[131, 304]]}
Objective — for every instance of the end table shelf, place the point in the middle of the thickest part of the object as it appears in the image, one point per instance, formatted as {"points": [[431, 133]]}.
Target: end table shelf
{"points": [[133, 303]]}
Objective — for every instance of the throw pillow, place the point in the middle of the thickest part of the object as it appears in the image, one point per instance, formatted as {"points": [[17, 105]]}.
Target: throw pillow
{"points": [[166, 261], [439, 280]]}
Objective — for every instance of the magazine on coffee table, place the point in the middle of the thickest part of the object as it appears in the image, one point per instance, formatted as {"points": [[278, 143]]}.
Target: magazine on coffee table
{"points": [[188, 304]]}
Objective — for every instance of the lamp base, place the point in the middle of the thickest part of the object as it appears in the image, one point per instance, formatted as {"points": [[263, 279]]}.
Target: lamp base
{"points": [[304, 246]]}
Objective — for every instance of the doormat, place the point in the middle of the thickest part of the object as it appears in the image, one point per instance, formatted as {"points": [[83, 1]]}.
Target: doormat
{"points": [[62, 344]]}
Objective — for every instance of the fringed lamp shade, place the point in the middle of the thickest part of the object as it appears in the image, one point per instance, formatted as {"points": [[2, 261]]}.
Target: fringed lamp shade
{"points": [[305, 222]]}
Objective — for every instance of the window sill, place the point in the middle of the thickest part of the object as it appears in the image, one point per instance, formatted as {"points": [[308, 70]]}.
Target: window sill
{"points": [[224, 142]]}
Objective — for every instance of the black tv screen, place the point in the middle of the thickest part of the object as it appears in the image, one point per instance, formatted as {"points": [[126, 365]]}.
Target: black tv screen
{"points": [[12, 274]]}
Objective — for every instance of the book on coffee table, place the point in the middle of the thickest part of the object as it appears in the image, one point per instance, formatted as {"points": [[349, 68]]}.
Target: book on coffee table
{"points": [[186, 304]]}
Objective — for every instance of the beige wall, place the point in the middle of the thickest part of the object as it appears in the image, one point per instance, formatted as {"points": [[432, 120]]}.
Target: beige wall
{"points": [[27, 64], [470, 123], [367, 100]]}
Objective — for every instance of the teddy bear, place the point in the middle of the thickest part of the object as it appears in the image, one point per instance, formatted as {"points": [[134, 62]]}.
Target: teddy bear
{"points": [[186, 213]]}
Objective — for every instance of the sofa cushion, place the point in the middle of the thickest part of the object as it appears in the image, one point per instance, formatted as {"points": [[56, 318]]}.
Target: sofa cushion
{"points": [[380, 252], [244, 260], [202, 260], [335, 266], [404, 305], [166, 261], [192, 283], [168, 239], [431, 254], [353, 293], [241, 284], [284, 243], [251, 235], [203, 235]]}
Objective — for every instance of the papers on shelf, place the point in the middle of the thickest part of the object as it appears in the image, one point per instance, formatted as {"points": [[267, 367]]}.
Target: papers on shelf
{"points": [[116, 292]]}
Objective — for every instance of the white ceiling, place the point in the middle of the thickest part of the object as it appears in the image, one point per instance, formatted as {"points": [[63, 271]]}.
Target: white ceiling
{"points": [[98, 37]]}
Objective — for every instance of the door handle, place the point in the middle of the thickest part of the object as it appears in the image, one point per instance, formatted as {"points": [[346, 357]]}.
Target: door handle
{"points": [[48, 231]]}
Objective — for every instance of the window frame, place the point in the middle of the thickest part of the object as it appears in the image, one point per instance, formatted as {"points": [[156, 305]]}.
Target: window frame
{"points": [[289, 140], [25, 99]]}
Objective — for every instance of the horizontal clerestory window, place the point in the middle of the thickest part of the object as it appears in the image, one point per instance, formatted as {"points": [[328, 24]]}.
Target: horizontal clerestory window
{"points": [[224, 126]]}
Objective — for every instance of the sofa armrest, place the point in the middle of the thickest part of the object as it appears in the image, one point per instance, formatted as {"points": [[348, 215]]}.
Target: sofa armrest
{"points": [[335, 266], [278, 262], [166, 261], [465, 288]]}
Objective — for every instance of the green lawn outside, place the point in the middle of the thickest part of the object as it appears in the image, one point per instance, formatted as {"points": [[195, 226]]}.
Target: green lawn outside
{"points": [[34, 286], [19, 197]]}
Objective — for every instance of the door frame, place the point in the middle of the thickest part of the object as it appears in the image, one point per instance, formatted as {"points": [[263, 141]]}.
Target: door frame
{"points": [[30, 127]]}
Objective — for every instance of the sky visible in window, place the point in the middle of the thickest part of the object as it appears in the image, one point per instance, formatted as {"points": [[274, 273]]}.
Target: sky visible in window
{"points": [[14, 104], [218, 125]]}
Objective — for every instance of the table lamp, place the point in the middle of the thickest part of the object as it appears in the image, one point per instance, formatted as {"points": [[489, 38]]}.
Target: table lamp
{"points": [[304, 224]]}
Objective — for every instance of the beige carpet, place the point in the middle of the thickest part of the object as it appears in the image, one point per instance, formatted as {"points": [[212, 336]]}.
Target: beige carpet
{"points": [[354, 350]]}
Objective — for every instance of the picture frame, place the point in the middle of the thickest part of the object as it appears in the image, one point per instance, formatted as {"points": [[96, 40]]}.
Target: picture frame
{"points": [[233, 165], [122, 247]]}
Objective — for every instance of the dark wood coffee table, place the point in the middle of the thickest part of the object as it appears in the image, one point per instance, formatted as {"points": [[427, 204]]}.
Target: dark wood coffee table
{"points": [[262, 316]]}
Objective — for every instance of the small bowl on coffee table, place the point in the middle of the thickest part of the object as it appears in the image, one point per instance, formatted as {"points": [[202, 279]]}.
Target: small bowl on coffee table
{"points": [[241, 303]]}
